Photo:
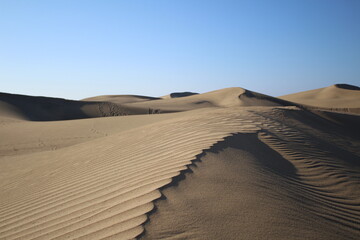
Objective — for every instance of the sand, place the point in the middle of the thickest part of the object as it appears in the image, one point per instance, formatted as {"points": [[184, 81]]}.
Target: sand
{"points": [[338, 97], [228, 164], [120, 99]]}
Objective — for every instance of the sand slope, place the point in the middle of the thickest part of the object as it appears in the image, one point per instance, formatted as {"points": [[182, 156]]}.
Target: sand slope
{"points": [[54, 109], [51, 109], [287, 181], [120, 99], [234, 164], [335, 96], [227, 97], [103, 187], [22, 137]]}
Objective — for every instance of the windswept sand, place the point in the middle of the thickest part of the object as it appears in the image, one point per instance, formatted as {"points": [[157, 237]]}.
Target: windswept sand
{"points": [[229, 164], [120, 99], [341, 97]]}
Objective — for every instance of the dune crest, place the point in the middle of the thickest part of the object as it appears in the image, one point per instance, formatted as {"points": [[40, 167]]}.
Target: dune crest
{"points": [[55, 109], [120, 99], [334, 96], [227, 97]]}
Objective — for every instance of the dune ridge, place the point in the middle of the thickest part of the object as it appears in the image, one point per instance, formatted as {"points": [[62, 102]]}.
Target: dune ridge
{"points": [[227, 97], [119, 99], [340, 97], [24, 107]]}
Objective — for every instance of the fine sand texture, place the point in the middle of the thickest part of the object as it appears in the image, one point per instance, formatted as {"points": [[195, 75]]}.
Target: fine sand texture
{"points": [[228, 164], [120, 99], [340, 97]]}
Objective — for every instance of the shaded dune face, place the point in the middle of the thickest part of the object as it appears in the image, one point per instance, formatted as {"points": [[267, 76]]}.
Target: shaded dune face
{"points": [[347, 86], [55, 109], [181, 94], [48, 109], [249, 98]]}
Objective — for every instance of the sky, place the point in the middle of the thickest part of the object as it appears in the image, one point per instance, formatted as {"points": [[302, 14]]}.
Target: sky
{"points": [[77, 49]]}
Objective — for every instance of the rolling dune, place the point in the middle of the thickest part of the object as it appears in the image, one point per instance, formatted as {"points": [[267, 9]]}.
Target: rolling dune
{"points": [[228, 97], [229, 164], [54, 109], [120, 99], [336, 97]]}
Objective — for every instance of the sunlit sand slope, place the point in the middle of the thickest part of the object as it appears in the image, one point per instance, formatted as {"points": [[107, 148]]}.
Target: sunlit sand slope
{"points": [[335, 96], [120, 99], [227, 97], [32, 108], [22, 137], [104, 187]]}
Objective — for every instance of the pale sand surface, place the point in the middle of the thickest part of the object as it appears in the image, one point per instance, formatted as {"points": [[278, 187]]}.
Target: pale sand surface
{"points": [[231, 164], [228, 97], [120, 99], [335, 96], [28, 136]]}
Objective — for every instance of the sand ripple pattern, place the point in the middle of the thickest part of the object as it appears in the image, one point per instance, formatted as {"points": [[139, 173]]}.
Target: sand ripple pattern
{"points": [[327, 177], [103, 189]]}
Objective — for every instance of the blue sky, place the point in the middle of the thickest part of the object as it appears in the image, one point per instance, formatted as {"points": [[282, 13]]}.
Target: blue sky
{"points": [[76, 49]]}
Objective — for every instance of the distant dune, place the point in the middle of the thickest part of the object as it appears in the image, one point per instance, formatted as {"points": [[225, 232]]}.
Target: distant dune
{"points": [[337, 96], [52, 109], [228, 97], [120, 99], [227, 164]]}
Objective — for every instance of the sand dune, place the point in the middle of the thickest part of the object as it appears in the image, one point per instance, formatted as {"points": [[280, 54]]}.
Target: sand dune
{"points": [[286, 181], [230, 164], [51, 109], [227, 97], [120, 99], [30, 136], [336, 96]]}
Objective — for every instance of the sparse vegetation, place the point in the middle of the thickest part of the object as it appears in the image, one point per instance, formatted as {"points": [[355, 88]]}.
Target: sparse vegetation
{"points": [[109, 109], [154, 111]]}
